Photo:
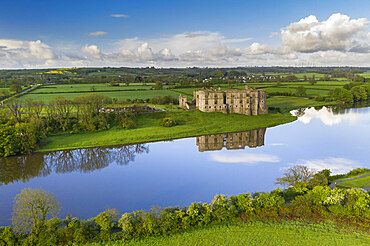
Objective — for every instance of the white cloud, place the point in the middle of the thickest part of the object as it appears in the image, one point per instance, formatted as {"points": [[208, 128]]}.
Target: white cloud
{"points": [[258, 49], [243, 158], [98, 33], [16, 53], [119, 15], [326, 116], [336, 165], [92, 51], [338, 32], [337, 41]]}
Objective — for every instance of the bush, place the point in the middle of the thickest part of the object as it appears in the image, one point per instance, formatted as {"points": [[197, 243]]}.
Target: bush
{"points": [[168, 122], [319, 98]]}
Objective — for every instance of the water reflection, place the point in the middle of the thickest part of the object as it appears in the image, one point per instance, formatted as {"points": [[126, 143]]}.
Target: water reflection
{"points": [[23, 168], [237, 140], [328, 115]]}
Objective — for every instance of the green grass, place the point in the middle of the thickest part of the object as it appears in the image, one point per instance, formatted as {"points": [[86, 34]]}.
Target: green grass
{"points": [[47, 98], [257, 233], [365, 75], [86, 87], [290, 103], [359, 183], [190, 124]]}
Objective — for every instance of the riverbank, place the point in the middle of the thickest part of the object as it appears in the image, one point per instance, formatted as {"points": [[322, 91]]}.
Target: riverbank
{"points": [[190, 124]]}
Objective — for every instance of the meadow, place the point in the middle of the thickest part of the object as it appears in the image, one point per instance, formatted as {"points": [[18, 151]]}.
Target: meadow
{"points": [[361, 182], [258, 233], [124, 94], [148, 129]]}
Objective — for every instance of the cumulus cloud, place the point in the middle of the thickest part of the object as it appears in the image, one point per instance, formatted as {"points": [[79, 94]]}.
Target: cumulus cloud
{"points": [[98, 33], [92, 51], [17, 53], [119, 15], [335, 164], [243, 158], [338, 33], [337, 41]]}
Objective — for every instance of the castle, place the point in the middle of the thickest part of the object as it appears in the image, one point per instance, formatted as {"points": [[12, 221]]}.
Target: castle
{"points": [[249, 101], [236, 140]]}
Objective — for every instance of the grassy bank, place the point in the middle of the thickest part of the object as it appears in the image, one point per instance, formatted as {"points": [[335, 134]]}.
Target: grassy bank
{"points": [[356, 183], [189, 124], [259, 233]]}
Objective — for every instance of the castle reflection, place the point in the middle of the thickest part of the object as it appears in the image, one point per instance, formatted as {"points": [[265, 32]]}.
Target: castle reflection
{"points": [[237, 140]]}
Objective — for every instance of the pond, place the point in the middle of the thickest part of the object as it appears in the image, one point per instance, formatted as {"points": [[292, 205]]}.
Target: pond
{"points": [[179, 172]]}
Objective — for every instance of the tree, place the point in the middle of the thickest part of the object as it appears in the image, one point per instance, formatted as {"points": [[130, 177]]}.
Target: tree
{"points": [[343, 95], [158, 85], [15, 87], [4, 93], [32, 207], [312, 81], [359, 93], [295, 175], [301, 91]]}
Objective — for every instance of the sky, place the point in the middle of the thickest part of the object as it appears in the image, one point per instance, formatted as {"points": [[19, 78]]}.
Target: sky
{"points": [[203, 33]]}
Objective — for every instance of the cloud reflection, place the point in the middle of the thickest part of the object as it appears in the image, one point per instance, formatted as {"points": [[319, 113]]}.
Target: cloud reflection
{"points": [[336, 165], [243, 158], [326, 115]]}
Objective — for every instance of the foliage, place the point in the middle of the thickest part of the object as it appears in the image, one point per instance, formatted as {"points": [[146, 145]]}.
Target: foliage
{"points": [[15, 87], [20, 138], [168, 122], [342, 95], [294, 175], [301, 91], [158, 85], [32, 208], [107, 220]]}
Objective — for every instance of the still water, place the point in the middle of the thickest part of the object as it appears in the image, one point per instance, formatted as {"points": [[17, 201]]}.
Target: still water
{"points": [[87, 181]]}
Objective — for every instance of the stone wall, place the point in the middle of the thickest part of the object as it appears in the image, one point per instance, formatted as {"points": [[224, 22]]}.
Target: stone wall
{"points": [[249, 101]]}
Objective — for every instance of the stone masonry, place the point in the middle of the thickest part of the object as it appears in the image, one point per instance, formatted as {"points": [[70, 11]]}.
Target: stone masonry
{"points": [[249, 101]]}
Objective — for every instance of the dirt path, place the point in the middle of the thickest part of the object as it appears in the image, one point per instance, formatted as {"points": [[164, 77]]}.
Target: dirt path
{"points": [[336, 182]]}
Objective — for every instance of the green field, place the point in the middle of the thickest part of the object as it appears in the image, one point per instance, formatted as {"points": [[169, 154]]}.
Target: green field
{"points": [[365, 75], [290, 103], [86, 87], [361, 183], [47, 98], [190, 124], [258, 233]]}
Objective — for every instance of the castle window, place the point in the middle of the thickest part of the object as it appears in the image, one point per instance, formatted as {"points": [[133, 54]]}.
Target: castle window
{"points": [[215, 101]]}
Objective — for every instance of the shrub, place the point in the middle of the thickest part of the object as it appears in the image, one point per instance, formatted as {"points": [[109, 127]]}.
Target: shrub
{"points": [[168, 122], [319, 98]]}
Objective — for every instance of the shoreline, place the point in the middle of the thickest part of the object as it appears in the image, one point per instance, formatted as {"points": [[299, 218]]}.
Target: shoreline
{"points": [[153, 135]]}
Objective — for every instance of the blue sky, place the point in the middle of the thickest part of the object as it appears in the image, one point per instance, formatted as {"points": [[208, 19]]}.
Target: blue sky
{"points": [[61, 33]]}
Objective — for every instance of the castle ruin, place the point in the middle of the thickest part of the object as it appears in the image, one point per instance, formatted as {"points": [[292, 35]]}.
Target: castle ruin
{"points": [[249, 101]]}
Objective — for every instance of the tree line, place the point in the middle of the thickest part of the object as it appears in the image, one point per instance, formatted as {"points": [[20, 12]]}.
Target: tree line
{"points": [[23, 125]]}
